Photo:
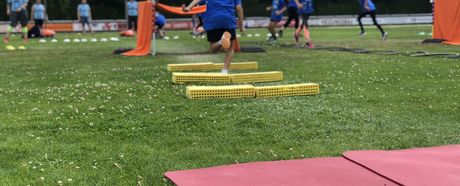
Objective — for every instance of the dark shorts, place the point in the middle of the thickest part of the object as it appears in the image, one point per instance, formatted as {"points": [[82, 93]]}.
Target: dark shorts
{"points": [[19, 17], [84, 20], [216, 35], [305, 17], [39, 22], [160, 26]]}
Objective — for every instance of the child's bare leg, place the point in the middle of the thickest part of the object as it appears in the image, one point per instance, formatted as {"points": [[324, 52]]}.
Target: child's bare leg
{"points": [[229, 56], [215, 47]]}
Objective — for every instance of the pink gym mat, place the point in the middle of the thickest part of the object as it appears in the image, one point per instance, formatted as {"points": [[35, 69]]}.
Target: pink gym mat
{"points": [[422, 166], [317, 171]]}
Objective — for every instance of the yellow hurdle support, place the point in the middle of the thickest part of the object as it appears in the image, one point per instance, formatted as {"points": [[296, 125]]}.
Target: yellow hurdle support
{"points": [[238, 66], [206, 66], [206, 92], [190, 66], [257, 77], [287, 90], [180, 78]]}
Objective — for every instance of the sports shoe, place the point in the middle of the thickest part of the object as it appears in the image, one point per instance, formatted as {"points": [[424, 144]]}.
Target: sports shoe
{"points": [[362, 34], [6, 40], [310, 45], [280, 33], [385, 36], [272, 40], [225, 40], [21, 47], [10, 47], [224, 71]]}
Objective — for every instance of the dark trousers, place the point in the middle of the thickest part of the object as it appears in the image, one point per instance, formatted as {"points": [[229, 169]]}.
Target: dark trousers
{"points": [[373, 16], [292, 15], [132, 22]]}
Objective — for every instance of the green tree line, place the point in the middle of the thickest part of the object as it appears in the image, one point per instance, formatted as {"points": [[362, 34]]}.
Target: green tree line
{"points": [[115, 9]]}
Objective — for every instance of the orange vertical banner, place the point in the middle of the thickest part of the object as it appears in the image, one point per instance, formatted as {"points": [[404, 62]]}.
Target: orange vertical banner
{"points": [[144, 30], [447, 21]]}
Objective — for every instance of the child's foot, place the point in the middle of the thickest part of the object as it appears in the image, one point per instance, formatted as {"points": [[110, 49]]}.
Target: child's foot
{"points": [[310, 45], [25, 40], [225, 40], [6, 40], [385, 36], [362, 34], [224, 71], [280, 33], [272, 40]]}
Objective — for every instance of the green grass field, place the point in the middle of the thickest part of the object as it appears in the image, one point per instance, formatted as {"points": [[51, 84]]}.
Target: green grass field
{"points": [[75, 113]]}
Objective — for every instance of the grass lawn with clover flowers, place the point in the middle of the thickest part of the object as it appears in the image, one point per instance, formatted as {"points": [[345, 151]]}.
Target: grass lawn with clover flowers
{"points": [[75, 114]]}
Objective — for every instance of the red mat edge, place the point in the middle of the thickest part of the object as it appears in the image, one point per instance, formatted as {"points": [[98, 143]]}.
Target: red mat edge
{"points": [[165, 175], [369, 169]]}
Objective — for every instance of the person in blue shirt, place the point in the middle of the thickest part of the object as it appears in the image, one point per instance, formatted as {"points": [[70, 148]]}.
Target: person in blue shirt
{"points": [[368, 8], [220, 24], [293, 14], [17, 10], [132, 14], [305, 10], [38, 13], [160, 21], [84, 15], [277, 9]]}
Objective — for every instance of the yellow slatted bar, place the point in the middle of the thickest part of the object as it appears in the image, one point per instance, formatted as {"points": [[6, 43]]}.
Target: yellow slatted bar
{"points": [[207, 66], [180, 78], [288, 90], [190, 66], [257, 77], [238, 66], [207, 92]]}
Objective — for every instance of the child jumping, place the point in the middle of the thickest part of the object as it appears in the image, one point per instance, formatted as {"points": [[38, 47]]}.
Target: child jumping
{"points": [[84, 15], [220, 24], [305, 10], [368, 8], [277, 9], [17, 10]]}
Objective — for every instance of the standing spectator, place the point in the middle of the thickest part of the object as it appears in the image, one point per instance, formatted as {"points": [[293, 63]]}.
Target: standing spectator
{"points": [[84, 15], [38, 13], [132, 14], [17, 10]]}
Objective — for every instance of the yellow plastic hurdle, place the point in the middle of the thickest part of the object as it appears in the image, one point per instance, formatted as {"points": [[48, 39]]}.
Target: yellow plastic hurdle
{"points": [[190, 66], [206, 66], [288, 90], [248, 91], [219, 78], [234, 91], [257, 77], [238, 66]]}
